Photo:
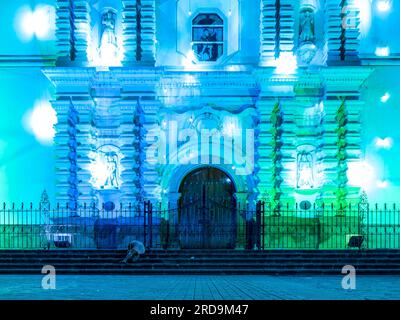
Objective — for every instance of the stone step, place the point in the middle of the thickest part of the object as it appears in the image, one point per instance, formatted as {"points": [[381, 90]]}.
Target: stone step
{"points": [[201, 262], [202, 253], [215, 259], [243, 264], [198, 271]]}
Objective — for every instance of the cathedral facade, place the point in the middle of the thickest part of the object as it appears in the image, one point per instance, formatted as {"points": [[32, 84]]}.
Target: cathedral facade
{"points": [[157, 98]]}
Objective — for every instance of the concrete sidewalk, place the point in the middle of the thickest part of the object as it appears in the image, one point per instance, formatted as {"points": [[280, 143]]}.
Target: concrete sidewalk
{"points": [[198, 287]]}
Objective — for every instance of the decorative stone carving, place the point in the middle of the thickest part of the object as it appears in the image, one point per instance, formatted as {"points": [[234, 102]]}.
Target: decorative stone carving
{"points": [[305, 171], [306, 26], [307, 48], [105, 168], [207, 121], [44, 203]]}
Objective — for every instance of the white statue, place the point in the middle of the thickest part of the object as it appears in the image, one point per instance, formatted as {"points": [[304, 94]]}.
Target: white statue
{"points": [[306, 30], [305, 175], [108, 41], [112, 170], [105, 168]]}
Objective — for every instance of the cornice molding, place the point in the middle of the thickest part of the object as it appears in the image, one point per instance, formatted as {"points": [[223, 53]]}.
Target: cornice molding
{"points": [[158, 80], [25, 61]]}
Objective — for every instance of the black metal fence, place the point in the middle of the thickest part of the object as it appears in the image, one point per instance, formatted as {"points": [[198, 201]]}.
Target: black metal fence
{"points": [[196, 225]]}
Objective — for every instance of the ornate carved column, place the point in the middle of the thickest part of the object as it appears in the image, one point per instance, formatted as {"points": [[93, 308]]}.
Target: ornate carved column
{"points": [[151, 180], [139, 32], [148, 31], [129, 25], [277, 30], [73, 32], [342, 36], [268, 37]]}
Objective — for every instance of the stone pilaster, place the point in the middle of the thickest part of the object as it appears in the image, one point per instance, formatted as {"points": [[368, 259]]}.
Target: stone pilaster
{"points": [[73, 32], [276, 30], [84, 147], [148, 31], [64, 30], [268, 35], [130, 147], [151, 180], [129, 25], [81, 38], [342, 31]]}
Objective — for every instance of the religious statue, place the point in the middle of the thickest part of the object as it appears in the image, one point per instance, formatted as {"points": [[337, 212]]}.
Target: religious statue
{"points": [[305, 175], [306, 26], [108, 40], [112, 170], [105, 168]]}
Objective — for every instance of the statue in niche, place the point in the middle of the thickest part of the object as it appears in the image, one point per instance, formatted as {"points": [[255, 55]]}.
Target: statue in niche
{"points": [[112, 170], [108, 39], [305, 175], [105, 168], [306, 26]]}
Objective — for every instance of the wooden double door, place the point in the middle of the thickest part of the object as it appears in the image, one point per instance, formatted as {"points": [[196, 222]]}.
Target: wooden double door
{"points": [[207, 210]]}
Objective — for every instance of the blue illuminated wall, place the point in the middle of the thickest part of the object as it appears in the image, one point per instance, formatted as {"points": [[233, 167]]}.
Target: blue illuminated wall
{"points": [[27, 165]]}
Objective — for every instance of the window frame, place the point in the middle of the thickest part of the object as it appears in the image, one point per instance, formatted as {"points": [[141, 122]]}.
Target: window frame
{"points": [[222, 42]]}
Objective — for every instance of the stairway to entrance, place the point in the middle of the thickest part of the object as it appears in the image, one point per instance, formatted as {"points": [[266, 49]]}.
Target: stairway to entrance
{"points": [[201, 262]]}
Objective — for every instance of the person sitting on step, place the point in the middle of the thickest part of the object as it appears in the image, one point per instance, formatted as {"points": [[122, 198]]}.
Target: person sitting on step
{"points": [[135, 249]]}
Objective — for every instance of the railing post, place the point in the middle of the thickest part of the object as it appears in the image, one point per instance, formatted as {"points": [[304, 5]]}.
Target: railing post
{"points": [[145, 211], [150, 224], [168, 221], [258, 223]]}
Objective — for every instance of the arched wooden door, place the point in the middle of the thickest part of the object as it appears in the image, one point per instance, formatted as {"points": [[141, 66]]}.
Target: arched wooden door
{"points": [[207, 210]]}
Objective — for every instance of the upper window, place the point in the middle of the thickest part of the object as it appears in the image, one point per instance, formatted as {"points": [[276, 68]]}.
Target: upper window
{"points": [[208, 37]]}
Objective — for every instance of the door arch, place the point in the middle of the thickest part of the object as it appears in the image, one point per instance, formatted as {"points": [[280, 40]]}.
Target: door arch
{"points": [[207, 210]]}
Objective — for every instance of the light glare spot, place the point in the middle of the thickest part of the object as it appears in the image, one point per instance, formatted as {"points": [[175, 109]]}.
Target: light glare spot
{"points": [[384, 5], [382, 184], [40, 122], [385, 143], [286, 63], [39, 22], [385, 98], [360, 174], [382, 51]]}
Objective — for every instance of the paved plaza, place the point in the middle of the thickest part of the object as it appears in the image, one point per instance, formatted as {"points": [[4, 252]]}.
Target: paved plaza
{"points": [[198, 287]]}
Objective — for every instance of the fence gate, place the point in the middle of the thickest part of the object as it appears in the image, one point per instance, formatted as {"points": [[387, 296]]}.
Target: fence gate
{"points": [[206, 223]]}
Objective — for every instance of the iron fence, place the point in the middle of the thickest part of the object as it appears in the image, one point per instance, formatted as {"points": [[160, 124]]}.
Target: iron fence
{"points": [[200, 225]]}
